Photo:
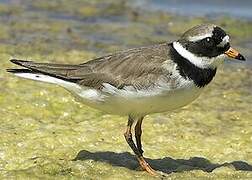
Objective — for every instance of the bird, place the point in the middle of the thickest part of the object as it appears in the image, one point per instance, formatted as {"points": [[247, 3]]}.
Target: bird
{"points": [[141, 81]]}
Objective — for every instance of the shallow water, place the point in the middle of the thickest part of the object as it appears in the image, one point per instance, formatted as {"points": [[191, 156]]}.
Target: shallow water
{"points": [[46, 134], [214, 8]]}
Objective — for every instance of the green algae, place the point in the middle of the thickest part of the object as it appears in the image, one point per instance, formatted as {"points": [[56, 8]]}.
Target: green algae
{"points": [[46, 134]]}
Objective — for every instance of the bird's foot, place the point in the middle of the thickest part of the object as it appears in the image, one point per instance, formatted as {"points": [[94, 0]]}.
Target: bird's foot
{"points": [[145, 166]]}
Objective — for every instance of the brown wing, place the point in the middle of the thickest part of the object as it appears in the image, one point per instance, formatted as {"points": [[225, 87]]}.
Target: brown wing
{"points": [[139, 67]]}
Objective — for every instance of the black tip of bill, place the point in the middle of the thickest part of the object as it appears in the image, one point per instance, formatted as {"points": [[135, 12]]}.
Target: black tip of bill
{"points": [[240, 57]]}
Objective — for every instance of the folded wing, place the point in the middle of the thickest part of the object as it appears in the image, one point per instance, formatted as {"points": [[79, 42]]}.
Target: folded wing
{"points": [[139, 67]]}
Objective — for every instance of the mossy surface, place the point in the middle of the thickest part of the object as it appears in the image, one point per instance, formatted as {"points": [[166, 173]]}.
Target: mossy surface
{"points": [[45, 134]]}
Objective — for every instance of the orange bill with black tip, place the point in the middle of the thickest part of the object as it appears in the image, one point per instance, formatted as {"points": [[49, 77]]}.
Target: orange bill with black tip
{"points": [[232, 53]]}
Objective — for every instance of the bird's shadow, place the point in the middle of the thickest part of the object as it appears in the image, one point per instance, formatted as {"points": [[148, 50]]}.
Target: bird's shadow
{"points": [[166, 165]]}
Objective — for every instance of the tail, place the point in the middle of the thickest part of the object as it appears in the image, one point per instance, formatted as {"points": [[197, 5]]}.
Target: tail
{"points": [[45, 72]]}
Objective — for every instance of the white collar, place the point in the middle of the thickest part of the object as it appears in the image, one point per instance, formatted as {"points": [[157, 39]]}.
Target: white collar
{"points": [[201, 62]]}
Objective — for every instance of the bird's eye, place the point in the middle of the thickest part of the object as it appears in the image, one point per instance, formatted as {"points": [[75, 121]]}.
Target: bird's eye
{"points": [[208, 41]]}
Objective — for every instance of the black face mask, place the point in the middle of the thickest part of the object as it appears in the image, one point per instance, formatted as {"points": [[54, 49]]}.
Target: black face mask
{"points": [[209, 46]]}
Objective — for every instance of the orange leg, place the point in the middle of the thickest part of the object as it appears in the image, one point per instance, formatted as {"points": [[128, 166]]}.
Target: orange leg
{"points": [[138, 133], [138, 153]]}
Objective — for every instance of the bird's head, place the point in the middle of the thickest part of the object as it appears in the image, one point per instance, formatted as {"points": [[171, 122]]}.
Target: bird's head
{"points": [[206, 46]]}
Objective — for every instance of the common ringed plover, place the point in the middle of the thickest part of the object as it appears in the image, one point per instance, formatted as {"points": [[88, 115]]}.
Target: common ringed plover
{"points": [[141, 81]]}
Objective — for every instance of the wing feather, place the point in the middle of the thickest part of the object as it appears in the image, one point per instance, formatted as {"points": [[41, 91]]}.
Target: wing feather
{"points": [[139, 67]]}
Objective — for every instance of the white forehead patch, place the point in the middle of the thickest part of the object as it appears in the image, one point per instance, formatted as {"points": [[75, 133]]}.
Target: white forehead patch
{"points": [[224, 41], [199, 37]]}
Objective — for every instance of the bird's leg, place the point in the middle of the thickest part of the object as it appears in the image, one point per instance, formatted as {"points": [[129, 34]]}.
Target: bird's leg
{"points": [[140, 158], [138, 133]]}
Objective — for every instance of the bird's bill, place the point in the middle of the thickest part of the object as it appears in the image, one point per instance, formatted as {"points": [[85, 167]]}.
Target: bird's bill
{"points": [[232, 53]]}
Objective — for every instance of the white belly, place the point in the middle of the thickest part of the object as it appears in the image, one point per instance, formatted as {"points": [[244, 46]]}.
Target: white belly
{"points": [[139, 103], [129, 101]]}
